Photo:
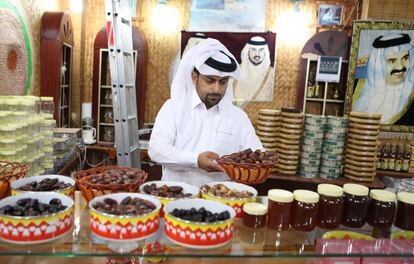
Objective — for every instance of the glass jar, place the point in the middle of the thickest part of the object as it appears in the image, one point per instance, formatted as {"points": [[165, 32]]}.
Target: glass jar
{"points": [[254, 215], [304, 210], [406, 185], [47, 106], [330, 206], [279, 208], [108, 116], [108, 134], [381, 209], [355, 205], [405, 211]]}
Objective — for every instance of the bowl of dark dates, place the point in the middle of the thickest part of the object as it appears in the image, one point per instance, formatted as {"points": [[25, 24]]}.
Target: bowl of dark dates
{"points": [[45, 183], [167, 191], [248, 166], [32, 218], [124, 216], [199, 223], [108, 179], [231, 193]]}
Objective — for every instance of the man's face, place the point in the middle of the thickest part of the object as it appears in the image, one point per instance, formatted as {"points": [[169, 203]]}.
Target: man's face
{"points": [[256, 55], [397, 66], [210, 88]]}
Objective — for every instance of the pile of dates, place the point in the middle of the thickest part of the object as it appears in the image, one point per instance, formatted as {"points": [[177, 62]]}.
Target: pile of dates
{"points": [[251, 157], [45, 185], [201, 215], [32, 207], [221, 190], [127, 207], [117, 176], [166, 191]]}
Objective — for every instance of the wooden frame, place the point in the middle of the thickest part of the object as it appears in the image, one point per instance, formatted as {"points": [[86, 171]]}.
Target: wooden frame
{"points": [[330, 15], [361, 95]]}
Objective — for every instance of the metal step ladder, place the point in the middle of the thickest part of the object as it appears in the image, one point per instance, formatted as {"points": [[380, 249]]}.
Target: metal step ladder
{"points": [[121, 64]]}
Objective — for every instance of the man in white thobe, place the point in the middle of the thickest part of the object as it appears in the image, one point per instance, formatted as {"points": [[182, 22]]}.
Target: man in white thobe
{"points": [[199, 123], [389, 84]]}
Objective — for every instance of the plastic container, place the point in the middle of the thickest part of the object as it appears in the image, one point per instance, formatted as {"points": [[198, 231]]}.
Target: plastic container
{"points": [[279, 209], [381, 210], [47, 106], [330, 206], [254, 215], [304, 210], [355, 205], [405, 211]]}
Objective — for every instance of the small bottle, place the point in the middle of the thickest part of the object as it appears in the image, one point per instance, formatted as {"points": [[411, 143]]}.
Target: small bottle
{"points": [[336, 93], [391, 159], [399, 158], [316, 93], [311, 89], [379, 156], [385, 157], [406, 159]]}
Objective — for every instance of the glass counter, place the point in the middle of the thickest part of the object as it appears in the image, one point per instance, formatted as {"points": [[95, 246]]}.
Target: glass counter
{"points": [[247, 244]]}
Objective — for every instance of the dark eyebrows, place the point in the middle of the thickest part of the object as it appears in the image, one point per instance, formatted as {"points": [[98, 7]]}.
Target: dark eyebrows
{"points": [[211, 78]]}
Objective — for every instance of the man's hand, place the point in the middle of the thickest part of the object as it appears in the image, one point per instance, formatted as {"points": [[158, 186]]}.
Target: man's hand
{"points": [[208, 161]]}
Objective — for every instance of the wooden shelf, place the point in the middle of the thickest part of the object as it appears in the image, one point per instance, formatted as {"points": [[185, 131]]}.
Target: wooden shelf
{"points": [[105, 105], [106, 124], [376, 184], [64, 107], [394, 174], [106, 86], [334, 101], [310, 99]]}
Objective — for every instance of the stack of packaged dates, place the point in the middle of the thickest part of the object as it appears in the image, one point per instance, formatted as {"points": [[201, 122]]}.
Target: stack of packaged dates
{"points": [[312, 139], [64, 148], [332, 149], [267, 129], [46, 129]]}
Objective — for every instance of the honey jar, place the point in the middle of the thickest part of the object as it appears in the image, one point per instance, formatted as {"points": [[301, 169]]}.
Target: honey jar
{"points": [[405, 211], [355, 205], [254, 215], [279, 207], [330, 206], [304, 210], [381, 209]]}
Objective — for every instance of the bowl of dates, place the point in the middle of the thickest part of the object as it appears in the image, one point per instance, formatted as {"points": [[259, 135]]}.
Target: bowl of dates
{"points": [[32, 218], [247, 166], [108, 179], [167, 191], [199, 223], [45, 183], [124, 216], [231, 193]]}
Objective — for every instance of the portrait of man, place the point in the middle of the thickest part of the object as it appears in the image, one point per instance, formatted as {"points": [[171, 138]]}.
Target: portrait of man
{"points": [[329, 15], [389, 80], [257, 79]]}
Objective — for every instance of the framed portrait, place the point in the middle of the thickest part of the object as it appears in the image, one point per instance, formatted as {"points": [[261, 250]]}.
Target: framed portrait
{"points": [[381, 73], [329, 15]]}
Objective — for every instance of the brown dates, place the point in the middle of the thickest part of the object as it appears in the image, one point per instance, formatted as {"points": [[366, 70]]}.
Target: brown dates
{"points": [[251, 157], [117, 176], [166, 191], [45, 185], [127, 207], [223, 191], [32, 207]]}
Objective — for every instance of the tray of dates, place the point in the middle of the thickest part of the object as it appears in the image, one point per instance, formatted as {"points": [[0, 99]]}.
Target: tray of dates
{"points": [[199, 223], [231, 193], [124, 216], [247, 166], [108, 179], [45, 183], [39, 218]]}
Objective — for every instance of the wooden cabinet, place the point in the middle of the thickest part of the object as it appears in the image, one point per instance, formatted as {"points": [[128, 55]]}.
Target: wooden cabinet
{"points": [[102, 111], [323, 98], [56, 63]]}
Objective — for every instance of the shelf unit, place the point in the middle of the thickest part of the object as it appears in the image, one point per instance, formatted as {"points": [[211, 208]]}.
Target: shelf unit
{"points": [[330, 99]]}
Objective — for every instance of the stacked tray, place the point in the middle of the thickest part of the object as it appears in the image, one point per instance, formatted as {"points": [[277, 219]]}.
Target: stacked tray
{"points": [[312, 140], [289, 138], [332, 149], [267, 129], [361, 146]]}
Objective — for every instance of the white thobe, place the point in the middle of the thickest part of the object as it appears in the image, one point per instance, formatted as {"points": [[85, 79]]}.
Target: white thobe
{"points": [[184, 128]]}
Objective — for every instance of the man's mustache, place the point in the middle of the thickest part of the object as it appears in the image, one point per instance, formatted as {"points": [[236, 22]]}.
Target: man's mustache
{"points": [[404, 69], [214, 95]]}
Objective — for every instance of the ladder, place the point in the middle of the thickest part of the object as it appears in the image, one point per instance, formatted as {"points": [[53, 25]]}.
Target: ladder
{"points": [[121, 64]]}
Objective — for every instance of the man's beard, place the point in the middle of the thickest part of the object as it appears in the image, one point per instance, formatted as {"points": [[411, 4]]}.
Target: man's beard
{"points": [[256, 62], [212, 99]]}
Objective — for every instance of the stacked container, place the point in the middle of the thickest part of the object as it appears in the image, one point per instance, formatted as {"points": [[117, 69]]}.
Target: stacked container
{"points": [[267, 129]]}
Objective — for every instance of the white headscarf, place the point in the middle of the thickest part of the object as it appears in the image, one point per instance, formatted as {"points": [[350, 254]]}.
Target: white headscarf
{"points": [[378, 97], [253, 75], [182, 84]]}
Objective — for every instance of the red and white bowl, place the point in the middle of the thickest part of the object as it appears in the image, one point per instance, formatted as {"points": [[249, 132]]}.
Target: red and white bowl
{"points": [[69, 191], [36, 229], [124, 228]]}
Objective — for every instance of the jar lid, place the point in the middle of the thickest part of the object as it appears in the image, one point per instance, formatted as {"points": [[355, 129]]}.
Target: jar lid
{"points": [[20, 113], [382, 195], [255, 208], [330, 190], [46, 98], [7, 152], [406, 197], [7, 128], [7, 140], [356, 189], [306, 196], [281, 196]]}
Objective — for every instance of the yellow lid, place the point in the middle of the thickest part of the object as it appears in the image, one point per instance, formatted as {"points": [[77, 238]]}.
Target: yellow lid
{"points": [[46, 98], [48, 122], [7, 140], [382, 195], [281, 196], [356, 189], [20, 113], [47, 149], [7, 152], [8, 128], [306, 196], [406, 197], [255, 208], [330, 190]]}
